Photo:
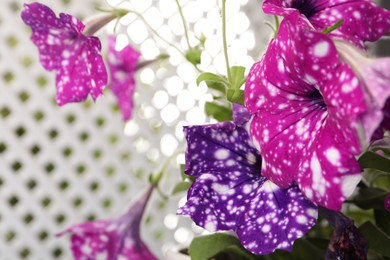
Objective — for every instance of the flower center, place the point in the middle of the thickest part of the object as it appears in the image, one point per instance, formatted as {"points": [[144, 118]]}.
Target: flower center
{"points": [[305, 7], [317, 99]]}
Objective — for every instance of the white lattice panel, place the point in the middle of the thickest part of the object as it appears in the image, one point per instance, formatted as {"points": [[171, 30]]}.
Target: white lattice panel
{"points": [[61, 166]]}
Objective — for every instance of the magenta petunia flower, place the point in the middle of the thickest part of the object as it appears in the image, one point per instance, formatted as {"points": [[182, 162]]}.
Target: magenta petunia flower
{"points": [[374, 76], [122, 66], [307, 105], [230, 193], [112, 239], [363, 19], [63, 47]]}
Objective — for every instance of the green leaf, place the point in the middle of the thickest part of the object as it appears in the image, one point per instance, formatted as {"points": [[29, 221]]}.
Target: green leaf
{"points": [[205, 247], [236, 96], [369, 198], [208, 76], [382, 220], [377, 240], [238, 76], [302, 249], [219, 112], [181, 186], [374, 161]]}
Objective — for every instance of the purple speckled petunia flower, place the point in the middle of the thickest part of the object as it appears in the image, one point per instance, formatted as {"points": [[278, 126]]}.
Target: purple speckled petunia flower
{"points": [[305, 123], [63, 47], [112, 239], [229, 192], [374, 76], [363, 19], [122, 66]]}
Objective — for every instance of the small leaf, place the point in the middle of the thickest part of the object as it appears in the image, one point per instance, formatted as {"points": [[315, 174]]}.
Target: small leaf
{"points": [[181, 186], [219, 112], [207, 76], [236, 96], [205, 247], [369, 198], [374, 161], [238, 76], [377, 240]]}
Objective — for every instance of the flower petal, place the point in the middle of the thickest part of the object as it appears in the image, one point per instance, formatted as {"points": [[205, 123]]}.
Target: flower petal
{"points": [[50, 34], [82, 72], [122, 65], [63, 47], [275, 218], [234, 196], [305, 102], [359, 17]]}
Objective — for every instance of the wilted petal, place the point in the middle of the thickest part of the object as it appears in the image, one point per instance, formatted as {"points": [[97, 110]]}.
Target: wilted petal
{"points": [[347, 242], [122, 65], [360, 17], [306, 104], [374, 76], [63, 47]]}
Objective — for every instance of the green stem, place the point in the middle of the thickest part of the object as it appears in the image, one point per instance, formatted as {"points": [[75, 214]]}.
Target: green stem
{"points": [[184, 24], [225, 51], [155, 32]]}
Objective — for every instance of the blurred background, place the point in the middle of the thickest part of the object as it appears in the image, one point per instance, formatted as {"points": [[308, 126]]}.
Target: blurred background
{"points": [[65, 165]]}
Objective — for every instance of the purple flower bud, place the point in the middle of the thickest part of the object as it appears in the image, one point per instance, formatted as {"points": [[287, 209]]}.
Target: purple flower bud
{"points": [[387, 203]]}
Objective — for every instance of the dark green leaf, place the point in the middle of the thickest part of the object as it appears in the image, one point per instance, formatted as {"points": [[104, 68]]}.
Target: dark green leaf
{"points": [[219, 112], [236, 96], [208, 246], [181, 186], [369, 198], [382, 220], [374, 161], [302, 249], [377, 240], [238, 76]]}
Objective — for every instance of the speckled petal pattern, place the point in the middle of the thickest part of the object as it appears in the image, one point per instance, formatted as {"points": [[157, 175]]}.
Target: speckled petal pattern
{"points": [[112, 239], [63, 47], [230, 193], [363, 19], [122, 66], [307, 105]]}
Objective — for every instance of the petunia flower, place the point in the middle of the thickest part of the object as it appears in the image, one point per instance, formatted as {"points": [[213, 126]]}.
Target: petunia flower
{"points": [[374, 76], [230, 193], [307, 105], [64, 48], [122, 66], [363, 20], [112, 239]]}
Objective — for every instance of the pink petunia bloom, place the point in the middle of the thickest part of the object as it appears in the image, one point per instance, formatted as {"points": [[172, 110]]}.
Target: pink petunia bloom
{"points": [[112, 239], [363, 20], [305, 124], [64, 48], [374, 76], [122, 66]]}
